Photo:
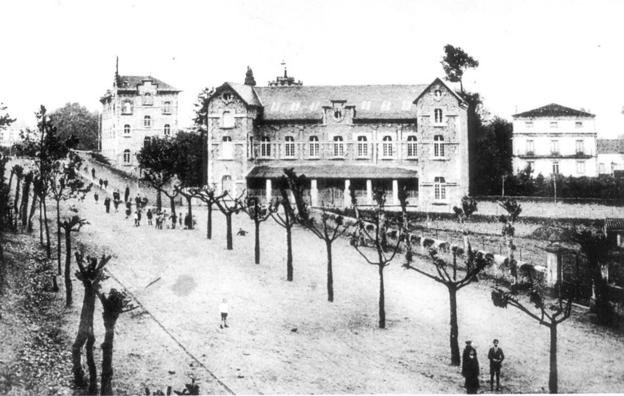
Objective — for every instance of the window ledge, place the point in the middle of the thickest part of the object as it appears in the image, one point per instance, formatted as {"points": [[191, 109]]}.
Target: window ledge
{"points": [[411, 158], [439, 158], [362, 158], [313, 158], [289, 158], [127, 136], [387, 158], [337, 158], [440, 203]]}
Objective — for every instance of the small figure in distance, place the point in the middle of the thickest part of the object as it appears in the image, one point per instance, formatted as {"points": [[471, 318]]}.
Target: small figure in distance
{"points": [[241, 232], [470, 371], [223, 310]]}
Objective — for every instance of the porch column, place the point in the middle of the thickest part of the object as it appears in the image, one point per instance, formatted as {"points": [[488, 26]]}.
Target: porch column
{"points": [[268, 190], [369, 191], [313, 192], [347, 194], [395, 192]]}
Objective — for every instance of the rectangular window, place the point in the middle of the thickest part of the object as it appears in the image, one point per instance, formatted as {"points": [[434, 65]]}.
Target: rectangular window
{"points": [[289, 149], [580, 167], [555, 167], [362, 147], [578, 124], [265, 148], [528, 124], [554, 147], [314, 147], [530, 147], [580, 147], [338, 149], [439, 188], [228, 120], [412, 147], [166, 109], [554, 124]]}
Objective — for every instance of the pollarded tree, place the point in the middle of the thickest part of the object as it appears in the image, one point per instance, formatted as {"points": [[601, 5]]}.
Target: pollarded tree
{"points": [[384, 252], [229, 206], [113, 304], [158, 163], [188, 167], [513, 210], [468, 207], [329, 227], [476, 261], [74, 224], [208, 195], [259, 213], [91, 275], [23, 209], [287, 219], [64, 183], [547, 314]]}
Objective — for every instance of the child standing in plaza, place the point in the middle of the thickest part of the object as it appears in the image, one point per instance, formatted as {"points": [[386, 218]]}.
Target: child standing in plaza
{"points": [[223, 310]]}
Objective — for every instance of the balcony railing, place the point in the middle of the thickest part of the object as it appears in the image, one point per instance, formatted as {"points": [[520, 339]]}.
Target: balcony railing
{"points": [[330, 150]]}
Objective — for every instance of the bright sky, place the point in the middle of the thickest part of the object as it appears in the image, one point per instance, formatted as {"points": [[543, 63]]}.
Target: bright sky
{"points": [[531, 53]]}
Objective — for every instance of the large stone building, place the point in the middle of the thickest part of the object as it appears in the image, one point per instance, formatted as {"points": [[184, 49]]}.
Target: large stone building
{"points": [[137, 109], [555, 139], [363, 136]]}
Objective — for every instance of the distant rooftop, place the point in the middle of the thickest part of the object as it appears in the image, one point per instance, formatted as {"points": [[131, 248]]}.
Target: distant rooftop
{"points": [[554, 110], [610, 146], [131, 82]]}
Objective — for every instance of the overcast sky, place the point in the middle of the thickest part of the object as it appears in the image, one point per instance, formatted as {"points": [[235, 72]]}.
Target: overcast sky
{"points": [[531, 53]]}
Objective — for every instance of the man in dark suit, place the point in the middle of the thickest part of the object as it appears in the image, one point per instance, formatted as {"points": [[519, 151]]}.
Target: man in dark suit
{"points": [[496, 357]]}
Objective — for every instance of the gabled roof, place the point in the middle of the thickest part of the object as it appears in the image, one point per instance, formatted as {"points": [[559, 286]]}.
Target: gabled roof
{"points": [[245, 92], [438, 80], [554, 110], [370, 101], [131, 82], [610, 146]]}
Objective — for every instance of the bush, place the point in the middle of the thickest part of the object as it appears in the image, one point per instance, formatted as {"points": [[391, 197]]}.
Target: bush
{"points": [[99, 158]]}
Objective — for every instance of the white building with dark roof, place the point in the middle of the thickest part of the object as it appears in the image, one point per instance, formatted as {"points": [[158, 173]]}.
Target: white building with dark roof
{"points": [[555, 139], [361, 136], [610, 156], [134, 111]]}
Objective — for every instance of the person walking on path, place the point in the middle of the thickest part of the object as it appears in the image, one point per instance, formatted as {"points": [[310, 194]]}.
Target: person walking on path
{"points": [[116, 195], [93, 173], [96, 196], [223, 310], [107, 202], [136, 218], [128, 210], [467, 350], [116, 204], [100, 182], [496, 357], [127, 194], [470, 371], [105, 183], [149, 216]]}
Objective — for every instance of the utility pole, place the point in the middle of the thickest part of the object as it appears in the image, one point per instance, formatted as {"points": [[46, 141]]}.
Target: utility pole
{"points": [[554, 178], [502, 185]]}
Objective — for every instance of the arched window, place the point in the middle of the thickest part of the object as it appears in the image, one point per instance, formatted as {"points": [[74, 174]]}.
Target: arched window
{"points": [[228, 120], [265, 147], [227, 149], [439, 189], [167, 129], [314, 146], [226, 183], [438, 146], [146, 141], [147, 121], [362, 147], [338, 146], [289, 147], [411, 147], [386, 147], [126, 107], [127, 130], [437, 116], [166, 109], [126, 156], [437, 94], [148, 100]]}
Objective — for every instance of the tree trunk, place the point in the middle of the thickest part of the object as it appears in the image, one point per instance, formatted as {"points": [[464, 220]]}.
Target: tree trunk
{"points": [[454, 330], [16, 199], [40, 222], [173, 212], [190, 212], [25, 198], [382, 297], [106, 386], [289, 258], [257, 245], [209, 222], [552, 380], [58, 235], [158, 200], [33, 206], [85, 331], [330, 273], [91, 363], [47, 228], [228, 222], [68, 282]]}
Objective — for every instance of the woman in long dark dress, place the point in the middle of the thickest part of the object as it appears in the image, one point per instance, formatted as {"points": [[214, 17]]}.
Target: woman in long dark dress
{"points": [[470, 371]]}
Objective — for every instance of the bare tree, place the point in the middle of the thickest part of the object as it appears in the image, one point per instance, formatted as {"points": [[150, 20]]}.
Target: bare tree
{"points": [[208, 196], [91, 275], [287, 219], [113, 305], [259, 213], [229, 206], [329, 227], [74, 224], [476, 261], [513, 210], [549, 315], [377, 239]]}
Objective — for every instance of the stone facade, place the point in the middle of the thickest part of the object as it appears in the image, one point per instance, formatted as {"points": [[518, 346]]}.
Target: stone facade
{"points": [[555, 139], [137, 109], [359, 136]]}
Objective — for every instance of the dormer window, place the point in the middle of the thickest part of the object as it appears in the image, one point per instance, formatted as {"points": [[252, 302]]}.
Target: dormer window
{"points": [[437, 94], [148, 100], [337, 114]]}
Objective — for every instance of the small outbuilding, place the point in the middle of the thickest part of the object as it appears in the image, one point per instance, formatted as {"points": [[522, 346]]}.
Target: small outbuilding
{"points": [[614, 230]]}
